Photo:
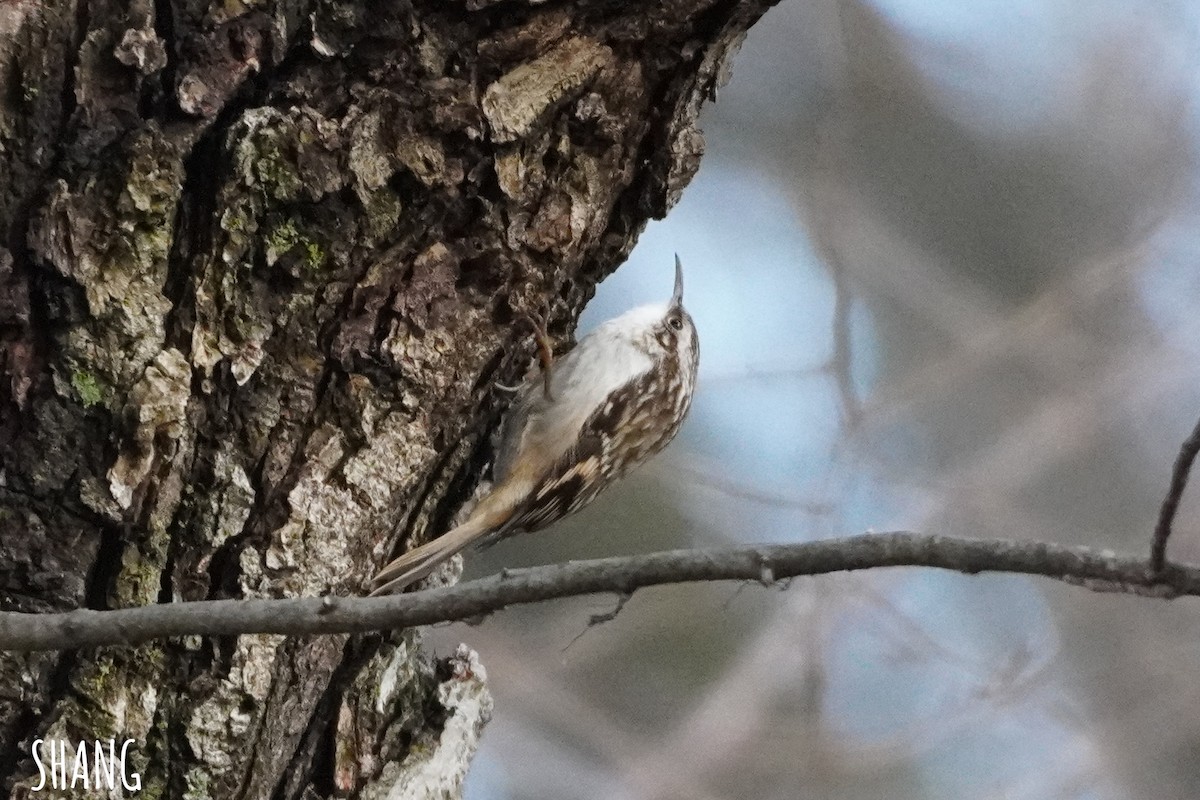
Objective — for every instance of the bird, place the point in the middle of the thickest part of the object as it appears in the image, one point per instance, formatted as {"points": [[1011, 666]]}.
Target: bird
{"points": [[590, 416]]}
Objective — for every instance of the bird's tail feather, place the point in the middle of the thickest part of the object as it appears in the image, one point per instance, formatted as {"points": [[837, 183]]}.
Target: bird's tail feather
{"points": [[419, 562], [489, 516]]}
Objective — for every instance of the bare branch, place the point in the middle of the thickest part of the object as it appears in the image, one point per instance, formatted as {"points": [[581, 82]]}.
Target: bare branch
{"points": [[1080, 566], [1170, 504]]}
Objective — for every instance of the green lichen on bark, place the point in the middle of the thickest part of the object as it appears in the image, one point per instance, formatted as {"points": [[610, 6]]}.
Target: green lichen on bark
{"points": [[287, 238], [87, 389], [286, 156]]}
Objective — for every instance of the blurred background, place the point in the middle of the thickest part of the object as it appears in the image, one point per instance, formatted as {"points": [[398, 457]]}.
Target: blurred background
{"points": [[945, 263]]}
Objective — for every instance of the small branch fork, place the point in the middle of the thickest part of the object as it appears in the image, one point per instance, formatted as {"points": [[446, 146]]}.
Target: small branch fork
{"points": [[1097, 570], [1170, 504]]}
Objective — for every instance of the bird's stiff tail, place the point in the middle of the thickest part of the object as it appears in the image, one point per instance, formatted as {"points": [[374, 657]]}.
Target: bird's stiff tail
{"points": [[489, 516], [419, 562]]}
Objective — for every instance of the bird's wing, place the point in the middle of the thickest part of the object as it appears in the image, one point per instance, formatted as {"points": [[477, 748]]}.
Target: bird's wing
{"points": [[584, 469]]}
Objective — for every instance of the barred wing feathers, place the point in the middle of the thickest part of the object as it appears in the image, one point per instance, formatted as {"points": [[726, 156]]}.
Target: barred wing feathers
{"points": [[619, 435]]}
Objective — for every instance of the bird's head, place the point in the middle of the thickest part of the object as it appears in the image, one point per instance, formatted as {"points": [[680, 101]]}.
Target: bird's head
{"points": [[664, 330]]}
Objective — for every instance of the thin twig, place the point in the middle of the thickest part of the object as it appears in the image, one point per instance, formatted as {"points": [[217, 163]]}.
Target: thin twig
{"points": [[1170, 504], [600, 619], [1081, 566]]}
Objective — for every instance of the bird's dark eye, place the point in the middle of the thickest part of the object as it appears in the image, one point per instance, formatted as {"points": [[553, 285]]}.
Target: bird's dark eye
{"points": [[675, 321]]}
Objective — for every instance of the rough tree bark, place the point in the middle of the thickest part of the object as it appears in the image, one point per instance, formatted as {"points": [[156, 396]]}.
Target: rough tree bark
{"points": [[261, 265]]}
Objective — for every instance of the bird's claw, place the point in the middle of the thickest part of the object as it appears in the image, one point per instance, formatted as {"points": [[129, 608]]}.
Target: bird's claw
{"points": [[545, 348]]}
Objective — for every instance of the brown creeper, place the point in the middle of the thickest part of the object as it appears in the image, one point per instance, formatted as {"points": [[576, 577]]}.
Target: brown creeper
{"points": [[612, 402]]}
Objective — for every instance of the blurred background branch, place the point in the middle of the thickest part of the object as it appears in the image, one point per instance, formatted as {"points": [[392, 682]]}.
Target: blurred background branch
{"points": [[1001, 201], [1166, 516]]}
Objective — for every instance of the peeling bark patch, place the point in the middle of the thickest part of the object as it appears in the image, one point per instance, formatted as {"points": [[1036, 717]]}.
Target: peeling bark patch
{"points": [[156, 404], [389, 701], [686, 151], [323, 509], [216, 62], [142, 49], [514, 104], [425, 158], [413, 351], [438, 771], [220, 728], [533, 37], [551, 225], [430, 295], [112, 238], [369, 158], [381, 143]]}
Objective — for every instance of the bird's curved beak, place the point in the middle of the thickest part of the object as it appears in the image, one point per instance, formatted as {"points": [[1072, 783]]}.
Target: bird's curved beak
{"points": [[677, 297]]}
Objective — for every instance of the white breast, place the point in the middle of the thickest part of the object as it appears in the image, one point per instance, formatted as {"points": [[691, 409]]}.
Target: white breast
{"points": [[603, 361]]}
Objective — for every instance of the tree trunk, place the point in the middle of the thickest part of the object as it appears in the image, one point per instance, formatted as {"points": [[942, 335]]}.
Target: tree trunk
{"points": [[261, 266]]}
